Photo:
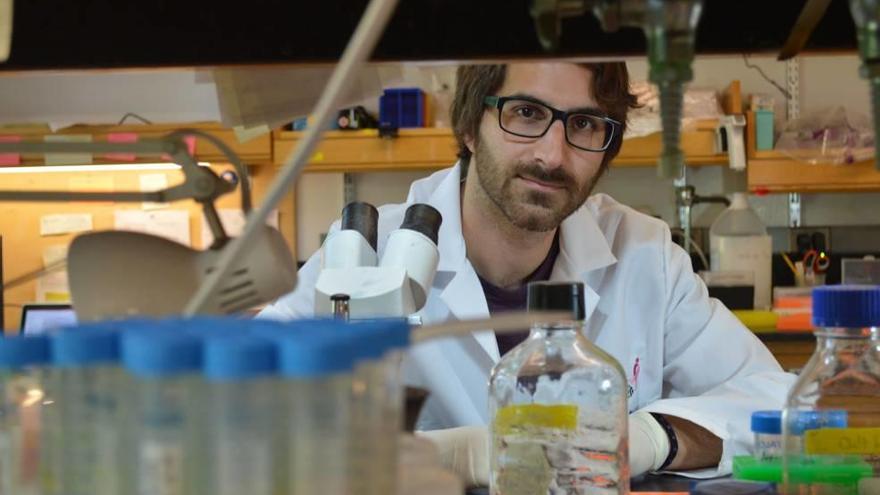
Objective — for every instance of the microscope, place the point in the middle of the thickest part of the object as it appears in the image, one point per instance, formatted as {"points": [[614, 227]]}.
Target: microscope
{"points": [[355, 283]]}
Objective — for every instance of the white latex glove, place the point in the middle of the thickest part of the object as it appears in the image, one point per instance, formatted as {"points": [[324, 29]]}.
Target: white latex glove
{"points": [[648, 443], [464, 451]]}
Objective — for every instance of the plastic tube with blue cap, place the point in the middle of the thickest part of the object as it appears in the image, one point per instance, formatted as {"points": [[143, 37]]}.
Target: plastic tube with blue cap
{"points": [[240, 371], [316, 372], [377, 402], [87, 383], [23, 362], [162, 433]]}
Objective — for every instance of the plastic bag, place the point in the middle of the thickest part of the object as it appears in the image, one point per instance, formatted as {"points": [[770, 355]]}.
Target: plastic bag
{"points": [[830, 136], [697, 104]]}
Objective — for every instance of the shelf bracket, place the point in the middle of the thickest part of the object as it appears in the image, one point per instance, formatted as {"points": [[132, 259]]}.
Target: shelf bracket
{"points": [[794, 210]]}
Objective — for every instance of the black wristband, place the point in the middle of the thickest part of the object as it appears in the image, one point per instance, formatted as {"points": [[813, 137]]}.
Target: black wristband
{"points": [[673, 440]]}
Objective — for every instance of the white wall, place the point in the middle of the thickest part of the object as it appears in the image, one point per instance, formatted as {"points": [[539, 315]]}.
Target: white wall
{"points": [[61, 99]]}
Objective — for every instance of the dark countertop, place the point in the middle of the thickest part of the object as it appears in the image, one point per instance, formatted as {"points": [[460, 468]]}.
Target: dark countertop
{"points": [[647, 483]]}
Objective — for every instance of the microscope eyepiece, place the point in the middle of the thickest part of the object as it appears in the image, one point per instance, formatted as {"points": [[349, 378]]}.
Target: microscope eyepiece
{"points": [[424, 219]]}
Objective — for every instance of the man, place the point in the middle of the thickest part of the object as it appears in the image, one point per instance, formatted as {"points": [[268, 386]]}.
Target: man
{"points": [[534, 139]]}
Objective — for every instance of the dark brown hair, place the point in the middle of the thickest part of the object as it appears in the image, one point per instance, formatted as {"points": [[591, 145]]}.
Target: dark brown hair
{"points": [[475, 82]]}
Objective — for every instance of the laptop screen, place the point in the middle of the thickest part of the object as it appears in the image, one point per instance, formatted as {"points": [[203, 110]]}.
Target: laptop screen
{"points": [[37, 319]]}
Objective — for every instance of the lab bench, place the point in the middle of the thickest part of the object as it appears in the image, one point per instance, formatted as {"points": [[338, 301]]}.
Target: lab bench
{"points": [[645, 483]]}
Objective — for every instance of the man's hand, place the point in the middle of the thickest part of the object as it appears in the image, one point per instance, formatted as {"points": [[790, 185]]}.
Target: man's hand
{"points": [[464, 451]]}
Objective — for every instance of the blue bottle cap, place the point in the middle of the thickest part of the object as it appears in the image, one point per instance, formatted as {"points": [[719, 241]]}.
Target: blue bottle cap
{"points": [[846, 306], [274, 329], [85, 345], [307, 355], [379, 336], [162, 352], [767, 422], [238, 357], [733, 487], [207, 326], [802, 421], [17, 352]]}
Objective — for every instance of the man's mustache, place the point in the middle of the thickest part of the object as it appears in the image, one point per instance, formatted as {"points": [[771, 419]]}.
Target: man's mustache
{"points": [[556, 176]]}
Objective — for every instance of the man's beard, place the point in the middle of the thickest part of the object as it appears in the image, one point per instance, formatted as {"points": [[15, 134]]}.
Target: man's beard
{"points": [[531, 210]]}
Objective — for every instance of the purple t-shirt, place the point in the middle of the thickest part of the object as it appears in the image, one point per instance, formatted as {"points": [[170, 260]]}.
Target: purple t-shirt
{"points": [[500, 300]]}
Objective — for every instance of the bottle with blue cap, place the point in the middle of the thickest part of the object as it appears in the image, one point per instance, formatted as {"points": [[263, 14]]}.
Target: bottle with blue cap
{"points": [[161, 439], [23, 361], [833, 410], [377, 403], [240, 371], [87, 379], [315, 369]]}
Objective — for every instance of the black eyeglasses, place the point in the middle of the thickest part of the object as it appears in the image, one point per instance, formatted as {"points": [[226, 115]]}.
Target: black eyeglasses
{"points": [[530, 118]]}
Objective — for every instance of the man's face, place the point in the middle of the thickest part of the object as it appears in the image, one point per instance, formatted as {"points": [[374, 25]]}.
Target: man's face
{"points": [[537, 182]]}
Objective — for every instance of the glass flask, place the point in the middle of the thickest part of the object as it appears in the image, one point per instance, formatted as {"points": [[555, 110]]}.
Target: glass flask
{"points": [[557, 406]]}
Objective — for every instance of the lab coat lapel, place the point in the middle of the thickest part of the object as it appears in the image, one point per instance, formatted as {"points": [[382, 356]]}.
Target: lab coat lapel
{"points": [[460, 288], [583, 249]]}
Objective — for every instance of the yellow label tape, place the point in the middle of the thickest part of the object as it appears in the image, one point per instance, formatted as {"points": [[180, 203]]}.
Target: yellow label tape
{"points": [[559, 416], [860, 441]]}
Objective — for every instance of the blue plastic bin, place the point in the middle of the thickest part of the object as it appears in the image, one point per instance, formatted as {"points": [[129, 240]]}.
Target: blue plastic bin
{"points": [[402, 107]]}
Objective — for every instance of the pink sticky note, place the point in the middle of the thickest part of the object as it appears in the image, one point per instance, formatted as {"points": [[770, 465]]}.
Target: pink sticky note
{"points": [[190, 146], [121, 137], [10, 159]]}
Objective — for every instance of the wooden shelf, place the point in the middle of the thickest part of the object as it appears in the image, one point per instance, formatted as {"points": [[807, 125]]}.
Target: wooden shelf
{"points": [[254, 151], [698, 145], [435, 148], [365, 151], [772, 171]]}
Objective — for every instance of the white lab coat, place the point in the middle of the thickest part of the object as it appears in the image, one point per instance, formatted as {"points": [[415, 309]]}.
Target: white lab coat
{"points": [[684, 353]]}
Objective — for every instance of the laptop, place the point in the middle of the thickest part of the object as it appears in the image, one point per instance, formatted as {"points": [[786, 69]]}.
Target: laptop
{"points": [[38, 319]]}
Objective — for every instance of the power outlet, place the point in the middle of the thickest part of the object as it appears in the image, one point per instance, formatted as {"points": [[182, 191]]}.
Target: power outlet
{"points": [[794, 232]]}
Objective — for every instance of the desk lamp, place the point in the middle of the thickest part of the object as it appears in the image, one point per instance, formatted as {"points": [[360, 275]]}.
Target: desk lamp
{"points": [[117, 274]]}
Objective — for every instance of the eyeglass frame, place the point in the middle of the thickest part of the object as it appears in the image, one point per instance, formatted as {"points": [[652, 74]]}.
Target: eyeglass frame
{"points": [[497, 102]]}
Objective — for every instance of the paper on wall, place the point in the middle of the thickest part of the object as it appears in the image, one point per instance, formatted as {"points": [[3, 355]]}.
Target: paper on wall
{"points": [[153, 183], [53, 287], [54, 254], [170, 224], [65, 223], [233, 223]]}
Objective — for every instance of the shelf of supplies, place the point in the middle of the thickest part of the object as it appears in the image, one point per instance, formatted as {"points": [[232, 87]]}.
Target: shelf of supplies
{"points": [[771, 171], [774, 172], [253, 151], [435, 148]]}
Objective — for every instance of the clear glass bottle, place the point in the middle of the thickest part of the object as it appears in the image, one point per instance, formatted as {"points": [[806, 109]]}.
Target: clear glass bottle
{"points": [[557, 406], [162, 434], [240, 373], [88, 378], [23, 361], [831, 421]]}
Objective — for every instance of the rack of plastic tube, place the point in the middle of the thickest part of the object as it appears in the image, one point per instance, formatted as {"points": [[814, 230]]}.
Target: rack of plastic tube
{"points": [[210, 406]]}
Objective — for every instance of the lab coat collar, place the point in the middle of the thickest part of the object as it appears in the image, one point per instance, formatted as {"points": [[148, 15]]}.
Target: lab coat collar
{"points": [[583, 248]]}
